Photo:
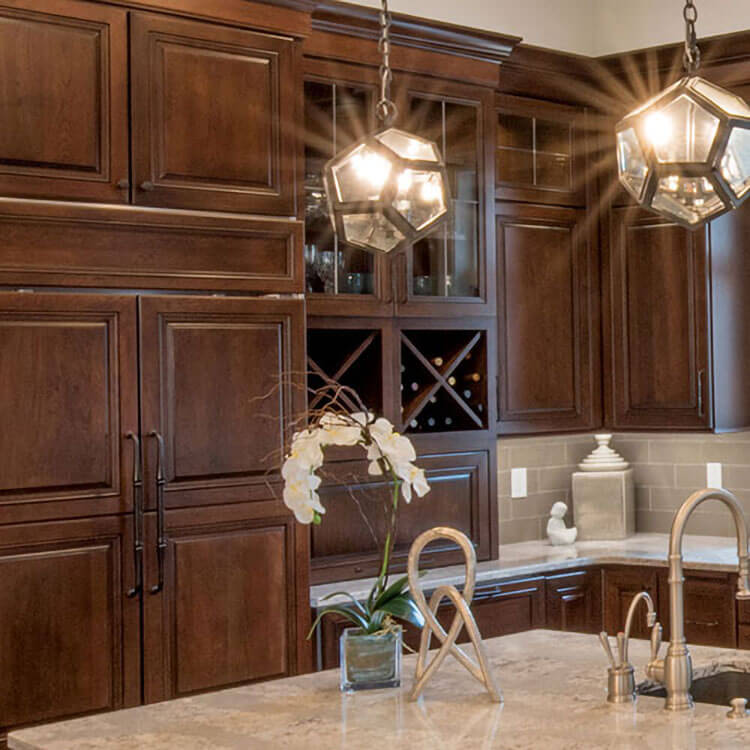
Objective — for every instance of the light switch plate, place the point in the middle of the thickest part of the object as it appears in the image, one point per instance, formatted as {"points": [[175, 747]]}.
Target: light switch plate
{"points": [[713, 476], [518, 483]]}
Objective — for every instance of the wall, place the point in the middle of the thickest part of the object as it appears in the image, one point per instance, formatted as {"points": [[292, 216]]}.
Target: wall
{"points": [[667, 467], [586, 27]]}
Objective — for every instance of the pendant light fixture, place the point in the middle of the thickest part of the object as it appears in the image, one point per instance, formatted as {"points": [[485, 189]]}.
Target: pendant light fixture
{"points": [[390, 188], [685, 153]]}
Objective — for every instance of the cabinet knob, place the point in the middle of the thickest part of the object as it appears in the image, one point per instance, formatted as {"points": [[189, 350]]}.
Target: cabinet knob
{"points": [[147, 186], [123, 184]]}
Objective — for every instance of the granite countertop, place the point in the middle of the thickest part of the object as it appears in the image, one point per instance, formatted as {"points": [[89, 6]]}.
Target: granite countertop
{"points": [[717, 553], [554, 685]]}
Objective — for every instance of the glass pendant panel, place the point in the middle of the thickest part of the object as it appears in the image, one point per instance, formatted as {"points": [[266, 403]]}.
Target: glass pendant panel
{"points": [[631, 163], [408, 146], [735, 164], [723, 99], [373, 230], [681, 132], [420, 197], [361, 175], [691, 199]]}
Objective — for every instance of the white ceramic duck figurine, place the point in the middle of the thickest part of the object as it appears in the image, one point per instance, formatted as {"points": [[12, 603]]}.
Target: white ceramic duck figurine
{"points": [[556, 531]]}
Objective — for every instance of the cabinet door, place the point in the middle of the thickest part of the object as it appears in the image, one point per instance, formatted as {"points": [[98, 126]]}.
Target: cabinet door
{"points": [[450, 270], [574, 601], [235, 600], [63, 101], [69, 635], [213, 112], [221, 382], [68, 398], [548, 320], [540, 152], [656, 359], [620, 586], [343, 546]]}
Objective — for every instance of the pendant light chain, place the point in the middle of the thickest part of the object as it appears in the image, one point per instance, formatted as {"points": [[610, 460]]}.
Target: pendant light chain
{"points": [[385, 110], [692, 57]]}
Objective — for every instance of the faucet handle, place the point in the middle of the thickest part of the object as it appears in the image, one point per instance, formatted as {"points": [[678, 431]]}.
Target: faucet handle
{"points": [[656, 635], [655, 666]]}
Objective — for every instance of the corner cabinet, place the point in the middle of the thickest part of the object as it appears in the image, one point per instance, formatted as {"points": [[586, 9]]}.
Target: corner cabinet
{"points": [[548, 320]]}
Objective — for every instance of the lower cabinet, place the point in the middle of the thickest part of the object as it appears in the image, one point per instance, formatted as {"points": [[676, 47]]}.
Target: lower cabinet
{"points": [[574, 601], [620, 585], [69, 633]]}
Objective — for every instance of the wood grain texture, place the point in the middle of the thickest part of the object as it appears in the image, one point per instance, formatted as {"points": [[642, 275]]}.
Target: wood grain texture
{"points": [[213, 117], [620, 585], [63, 103], [574, 601]]}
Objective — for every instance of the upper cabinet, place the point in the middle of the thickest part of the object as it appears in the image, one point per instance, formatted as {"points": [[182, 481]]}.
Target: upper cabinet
{"points": [[540, 152], [213, 116], [63, 101]]}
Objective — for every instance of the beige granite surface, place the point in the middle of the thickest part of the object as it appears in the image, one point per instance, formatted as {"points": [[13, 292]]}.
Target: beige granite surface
{"points": [[529, 558], [553, 683]]}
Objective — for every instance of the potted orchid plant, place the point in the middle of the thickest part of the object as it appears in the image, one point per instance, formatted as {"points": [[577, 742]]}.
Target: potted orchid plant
{"points": [[371, 648]]}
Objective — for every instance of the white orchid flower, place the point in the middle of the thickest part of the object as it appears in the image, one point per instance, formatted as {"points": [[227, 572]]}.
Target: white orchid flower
{"points": [[307, 449], [338, 430]]}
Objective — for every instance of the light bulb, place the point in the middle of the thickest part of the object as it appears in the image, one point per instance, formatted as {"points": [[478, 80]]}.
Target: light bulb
{"points": [[430, 191], [658, 128], [405, 180], [372, 168]]}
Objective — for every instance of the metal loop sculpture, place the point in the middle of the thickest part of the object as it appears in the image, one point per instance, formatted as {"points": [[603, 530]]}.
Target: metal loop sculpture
{"points": [[463, 617]]}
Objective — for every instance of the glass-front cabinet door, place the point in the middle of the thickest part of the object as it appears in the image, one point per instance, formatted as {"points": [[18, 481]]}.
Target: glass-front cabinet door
{"points": [[336, 274], [449, 266]]}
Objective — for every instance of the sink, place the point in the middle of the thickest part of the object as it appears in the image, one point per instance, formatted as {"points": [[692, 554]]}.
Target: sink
{"points": [[718, 688]]}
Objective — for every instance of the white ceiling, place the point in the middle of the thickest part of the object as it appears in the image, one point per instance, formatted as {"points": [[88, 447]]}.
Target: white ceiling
{"points": [[587, 27]]}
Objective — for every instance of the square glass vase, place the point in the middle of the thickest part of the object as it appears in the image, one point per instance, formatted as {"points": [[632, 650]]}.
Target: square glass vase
{"points": [[370, 662]]}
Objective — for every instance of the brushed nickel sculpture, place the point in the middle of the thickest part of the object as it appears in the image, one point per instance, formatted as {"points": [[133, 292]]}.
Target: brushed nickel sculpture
{"points": [[463, 617]]}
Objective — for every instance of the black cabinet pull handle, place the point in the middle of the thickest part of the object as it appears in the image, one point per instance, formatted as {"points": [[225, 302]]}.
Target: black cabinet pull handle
{"points": [[147, 186], [161, 539], [137, 517], [700, 393]]}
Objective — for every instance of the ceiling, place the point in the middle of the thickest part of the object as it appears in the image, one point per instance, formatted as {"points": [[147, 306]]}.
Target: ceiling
{"points": [[586, 27]]}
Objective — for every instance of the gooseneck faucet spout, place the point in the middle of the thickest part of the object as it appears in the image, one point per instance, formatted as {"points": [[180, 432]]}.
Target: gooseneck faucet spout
{"points": [[677, 667]]}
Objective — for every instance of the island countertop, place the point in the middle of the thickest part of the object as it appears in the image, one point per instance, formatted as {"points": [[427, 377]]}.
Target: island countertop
{"points": [[718, 553], [554, 685]]}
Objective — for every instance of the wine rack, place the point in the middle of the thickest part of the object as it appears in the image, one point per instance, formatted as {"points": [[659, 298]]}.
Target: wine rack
{"points": [[351, 357], [443, 380]]}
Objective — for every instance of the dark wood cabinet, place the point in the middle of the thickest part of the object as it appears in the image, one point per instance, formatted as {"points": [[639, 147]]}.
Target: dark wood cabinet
{"points": [[619, 586], [213, 113], [231, 580], [69, 634], [68, 399], [63, 102], [548, 320], [540, 153], [574, 601]]}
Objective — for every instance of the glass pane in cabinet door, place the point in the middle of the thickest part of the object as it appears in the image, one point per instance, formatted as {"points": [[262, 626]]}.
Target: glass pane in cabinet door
{"points": [[319, 101], [356, 270], [553, 154], [460, 151], [426, 119], [429, 265], [462, 276], [352, 115]]}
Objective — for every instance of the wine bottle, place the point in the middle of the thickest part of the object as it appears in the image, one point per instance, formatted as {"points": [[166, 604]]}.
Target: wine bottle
{"points": [[448, 421], [414, 424], [431, 422], [414, 387], [473, 377], [437, 361], [451, 380], [467, 394]]}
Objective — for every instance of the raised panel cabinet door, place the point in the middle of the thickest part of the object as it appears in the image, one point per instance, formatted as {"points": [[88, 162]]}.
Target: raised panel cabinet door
{"points": [[574, 601], [68, 399], [234, 603], [657, 355], [63, 100], [548, 376], [213, 113], [620, 585], [221, 382], [343, 547], [69, 635]]}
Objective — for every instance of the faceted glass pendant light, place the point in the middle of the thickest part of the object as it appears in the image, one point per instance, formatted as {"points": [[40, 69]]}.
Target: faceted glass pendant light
{"points": [[387, 189], [685, 154], [390, 188]]}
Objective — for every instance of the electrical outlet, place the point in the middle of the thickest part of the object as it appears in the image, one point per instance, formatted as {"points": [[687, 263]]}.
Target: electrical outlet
{"points": [[518, 483], [713, 476]]}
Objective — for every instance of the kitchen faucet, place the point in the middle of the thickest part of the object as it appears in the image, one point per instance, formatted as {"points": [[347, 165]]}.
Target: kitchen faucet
{"points": [[676, 670]]}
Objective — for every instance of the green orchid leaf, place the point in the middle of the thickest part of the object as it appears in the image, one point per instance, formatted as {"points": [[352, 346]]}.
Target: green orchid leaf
{"points": [[344, 610], [395, 589], [354, 601], [403, 608]]}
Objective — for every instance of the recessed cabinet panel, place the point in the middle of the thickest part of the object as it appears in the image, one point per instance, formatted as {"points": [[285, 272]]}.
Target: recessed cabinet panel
{"points": [[63, 100], [212, 114], [217, 385], [547, 319], [67, 399], [68, 634], [659, 318]]}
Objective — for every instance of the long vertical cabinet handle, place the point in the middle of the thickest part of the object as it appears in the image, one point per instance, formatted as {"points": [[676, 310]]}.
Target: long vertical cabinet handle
{"points": [[700, 392], [161, 539], [137, 516]]}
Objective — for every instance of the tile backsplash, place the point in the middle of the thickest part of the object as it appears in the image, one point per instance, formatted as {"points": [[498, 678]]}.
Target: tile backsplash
{"points": [[667, 467]]}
